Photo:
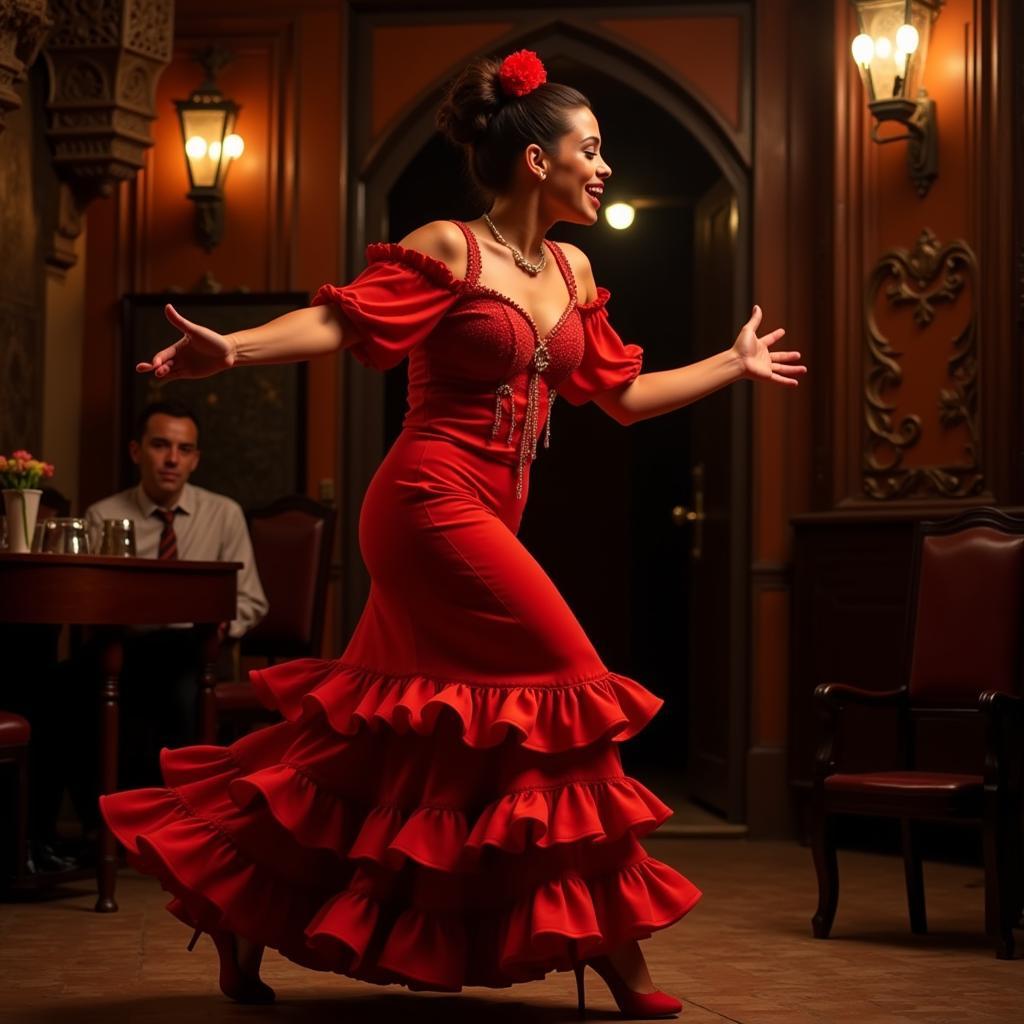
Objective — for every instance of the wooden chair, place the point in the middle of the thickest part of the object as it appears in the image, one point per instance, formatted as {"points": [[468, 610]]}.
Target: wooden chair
{"points": [[292, 540], [53, 504], [964, 665], [15, 733]]}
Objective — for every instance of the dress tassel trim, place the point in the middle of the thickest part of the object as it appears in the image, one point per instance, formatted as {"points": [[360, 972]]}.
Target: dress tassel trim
{"points": [[548, 718]]}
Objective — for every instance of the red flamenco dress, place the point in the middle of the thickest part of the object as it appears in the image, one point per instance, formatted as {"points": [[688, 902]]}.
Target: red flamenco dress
{"points": [[444, 804]]}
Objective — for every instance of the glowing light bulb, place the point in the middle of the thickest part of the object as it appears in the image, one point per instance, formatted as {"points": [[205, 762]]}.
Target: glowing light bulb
{"points": [[901, 63], [215, 151], [863, 49], [883, 47], [195, 147], [234, 147], [619, 215], [907, 38]]}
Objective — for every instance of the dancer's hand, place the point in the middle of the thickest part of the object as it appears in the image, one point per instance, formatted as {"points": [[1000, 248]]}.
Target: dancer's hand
{"points": [[759, 362], [199, 352]]}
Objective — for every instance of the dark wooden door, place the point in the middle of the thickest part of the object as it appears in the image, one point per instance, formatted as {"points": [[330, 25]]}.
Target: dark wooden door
{"points": [[714, 516]]}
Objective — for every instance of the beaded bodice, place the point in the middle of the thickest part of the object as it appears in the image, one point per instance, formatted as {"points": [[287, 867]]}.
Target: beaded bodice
{"points": [[489, 354]]}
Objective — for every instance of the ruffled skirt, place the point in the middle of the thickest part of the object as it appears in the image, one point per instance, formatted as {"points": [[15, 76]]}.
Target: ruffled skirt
{"points": [[424, 825]]}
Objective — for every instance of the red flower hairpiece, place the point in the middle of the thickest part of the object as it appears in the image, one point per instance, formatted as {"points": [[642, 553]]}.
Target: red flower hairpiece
{"points": [[521, 72]]}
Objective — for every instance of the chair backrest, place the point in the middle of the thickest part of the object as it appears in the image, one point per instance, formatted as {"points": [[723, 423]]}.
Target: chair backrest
{"points": [[292, 541], [53, 504], [967, 599]]}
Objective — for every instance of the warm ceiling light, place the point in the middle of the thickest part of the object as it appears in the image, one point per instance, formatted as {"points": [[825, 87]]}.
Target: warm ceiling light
{"points": [[620, 215]]}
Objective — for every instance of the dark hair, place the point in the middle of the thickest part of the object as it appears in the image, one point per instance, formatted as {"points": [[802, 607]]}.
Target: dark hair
{"points": [[494, 128], [178, 410]]}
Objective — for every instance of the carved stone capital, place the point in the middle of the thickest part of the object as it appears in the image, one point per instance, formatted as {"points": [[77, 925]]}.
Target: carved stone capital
{"points": [[104, 59], [23, 27]]}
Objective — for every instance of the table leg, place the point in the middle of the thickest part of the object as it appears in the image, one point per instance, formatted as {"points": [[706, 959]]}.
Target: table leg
{"points": [[209, 646], [111, 661]]}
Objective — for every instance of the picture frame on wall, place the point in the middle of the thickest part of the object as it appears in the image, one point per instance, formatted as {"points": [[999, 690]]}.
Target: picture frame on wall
{"points": [[252, 419]]}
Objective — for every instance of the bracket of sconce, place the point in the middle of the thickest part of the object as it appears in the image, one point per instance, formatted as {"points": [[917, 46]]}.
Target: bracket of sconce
{"points": [[918, 117]]}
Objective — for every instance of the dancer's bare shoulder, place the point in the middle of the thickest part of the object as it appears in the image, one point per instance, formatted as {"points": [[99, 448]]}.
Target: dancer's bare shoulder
{"points": [[586, 286], [442, 240]]}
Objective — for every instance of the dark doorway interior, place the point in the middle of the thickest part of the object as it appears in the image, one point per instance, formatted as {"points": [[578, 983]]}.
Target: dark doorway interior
{"points": [[599, 515]]}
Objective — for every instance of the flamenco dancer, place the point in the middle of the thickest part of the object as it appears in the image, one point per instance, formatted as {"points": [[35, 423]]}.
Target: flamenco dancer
{"points": [[444, 804]]}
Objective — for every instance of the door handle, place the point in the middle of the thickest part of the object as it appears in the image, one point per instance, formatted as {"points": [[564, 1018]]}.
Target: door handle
{"points": [[681, 515]]}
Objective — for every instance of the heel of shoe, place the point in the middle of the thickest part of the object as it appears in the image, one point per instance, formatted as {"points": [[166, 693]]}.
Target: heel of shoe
{"points": [[581, 999], [630, 1003], [194, 939]]}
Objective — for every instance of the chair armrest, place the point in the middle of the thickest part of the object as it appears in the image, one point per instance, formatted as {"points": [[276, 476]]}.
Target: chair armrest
{"points": [[831, 699], [1004, 732], [1003, 705], [835, 695]]}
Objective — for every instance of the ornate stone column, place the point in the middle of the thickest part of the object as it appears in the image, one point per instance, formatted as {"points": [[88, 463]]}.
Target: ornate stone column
{"points": [[104, 59]]}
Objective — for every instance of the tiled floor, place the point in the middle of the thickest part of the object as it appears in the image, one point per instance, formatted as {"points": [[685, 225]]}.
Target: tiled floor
{"points": [[744, 954]]}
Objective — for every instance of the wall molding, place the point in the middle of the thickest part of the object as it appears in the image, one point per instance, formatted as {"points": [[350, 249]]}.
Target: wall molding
{"points": [[924, 277]]}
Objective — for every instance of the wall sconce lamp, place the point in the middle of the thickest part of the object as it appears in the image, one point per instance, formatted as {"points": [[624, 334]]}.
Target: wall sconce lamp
{"points": [[890, 53], [207, 121]]}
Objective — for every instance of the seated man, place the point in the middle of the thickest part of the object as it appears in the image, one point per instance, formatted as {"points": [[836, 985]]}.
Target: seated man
{"points": [[173, 519], [159, 683]]}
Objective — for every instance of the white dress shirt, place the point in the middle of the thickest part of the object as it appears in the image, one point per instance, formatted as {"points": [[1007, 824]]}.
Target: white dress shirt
{"points": [[209, 527]]}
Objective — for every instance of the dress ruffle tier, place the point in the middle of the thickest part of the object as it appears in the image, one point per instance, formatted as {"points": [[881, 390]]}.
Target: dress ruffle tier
{"points": [[431, 833]]}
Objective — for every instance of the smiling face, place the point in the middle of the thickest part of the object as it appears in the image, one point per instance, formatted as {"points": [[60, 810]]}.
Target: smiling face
{"points": [[577, 172], [167, 456]]}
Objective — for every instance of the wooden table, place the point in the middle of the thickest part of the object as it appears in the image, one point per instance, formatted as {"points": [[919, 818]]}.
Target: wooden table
{"points": [[112, 593]]}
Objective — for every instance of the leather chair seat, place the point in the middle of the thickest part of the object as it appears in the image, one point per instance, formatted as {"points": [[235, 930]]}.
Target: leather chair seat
{"points": [[940, 793], [916, 781], [14, 730]]}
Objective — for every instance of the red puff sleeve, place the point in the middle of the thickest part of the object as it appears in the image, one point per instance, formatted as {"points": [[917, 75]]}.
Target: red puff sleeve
{"points": [[607, 361], [394, 303]]}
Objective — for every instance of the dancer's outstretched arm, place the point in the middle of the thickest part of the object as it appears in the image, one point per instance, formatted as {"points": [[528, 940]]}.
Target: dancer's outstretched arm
{"points": [[750, 358], [201, 351], [651, 394]]}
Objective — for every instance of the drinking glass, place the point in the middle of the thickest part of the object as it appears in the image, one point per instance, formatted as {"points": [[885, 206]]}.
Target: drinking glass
{"points": [[65, 535], [118, 538]]}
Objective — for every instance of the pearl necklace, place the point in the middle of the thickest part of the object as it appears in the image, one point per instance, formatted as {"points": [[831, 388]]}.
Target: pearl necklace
{"points": [[521, 260]]}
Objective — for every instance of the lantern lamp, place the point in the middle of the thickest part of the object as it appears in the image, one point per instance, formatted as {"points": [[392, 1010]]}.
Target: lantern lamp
{"points": [[207, 120], [890, 53]]}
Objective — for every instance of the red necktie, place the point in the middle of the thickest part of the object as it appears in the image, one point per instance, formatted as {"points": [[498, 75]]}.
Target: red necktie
{"points": [[168, 541]]}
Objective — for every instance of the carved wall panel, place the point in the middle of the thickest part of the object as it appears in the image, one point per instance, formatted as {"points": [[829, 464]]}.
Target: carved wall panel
{"points": [[23, 27], [22, 196], [919, 282]]}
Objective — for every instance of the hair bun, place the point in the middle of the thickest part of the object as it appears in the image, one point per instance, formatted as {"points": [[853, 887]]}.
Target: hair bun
{"points": [[472, 99]]}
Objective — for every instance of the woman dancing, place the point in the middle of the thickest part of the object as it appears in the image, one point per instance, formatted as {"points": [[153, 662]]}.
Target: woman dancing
{"points": [[444, 805]]}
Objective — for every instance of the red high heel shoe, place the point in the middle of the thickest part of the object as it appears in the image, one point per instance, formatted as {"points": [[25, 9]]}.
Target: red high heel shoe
{"points": [[243, 988], [630, 1003]]}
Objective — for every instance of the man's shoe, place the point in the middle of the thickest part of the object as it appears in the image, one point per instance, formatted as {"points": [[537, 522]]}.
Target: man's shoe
{"points": [[44, 859]]}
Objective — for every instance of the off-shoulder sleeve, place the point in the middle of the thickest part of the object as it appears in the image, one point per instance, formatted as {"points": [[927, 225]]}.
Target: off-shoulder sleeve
{"points": [[607, 361], [394, 303]]}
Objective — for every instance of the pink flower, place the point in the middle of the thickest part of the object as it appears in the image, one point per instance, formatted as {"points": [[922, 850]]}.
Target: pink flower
{"points": [[22, 454]]}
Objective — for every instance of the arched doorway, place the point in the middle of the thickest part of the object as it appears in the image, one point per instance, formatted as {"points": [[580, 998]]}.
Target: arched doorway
{"points": [[600, 515]]}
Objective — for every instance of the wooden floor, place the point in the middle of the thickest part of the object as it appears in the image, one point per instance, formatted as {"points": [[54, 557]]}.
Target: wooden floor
{"points": [[744, 954]]}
